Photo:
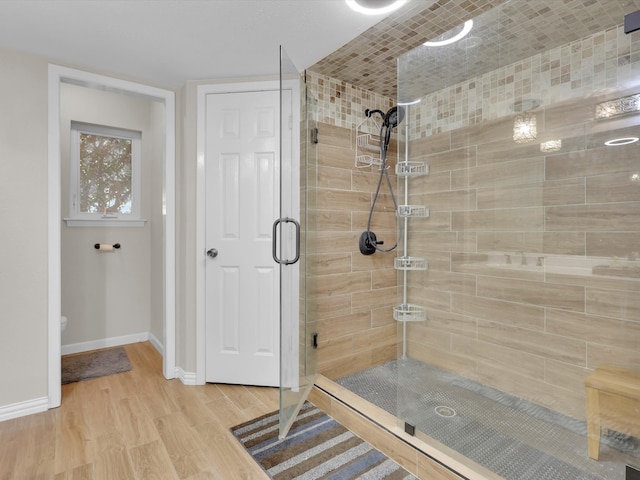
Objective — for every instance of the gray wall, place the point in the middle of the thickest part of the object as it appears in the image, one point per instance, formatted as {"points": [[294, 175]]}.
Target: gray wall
{"points": [[107, 295]]}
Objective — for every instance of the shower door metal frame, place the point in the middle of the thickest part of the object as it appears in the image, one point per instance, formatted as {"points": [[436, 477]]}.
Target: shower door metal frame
{"points": [[298, 354]]}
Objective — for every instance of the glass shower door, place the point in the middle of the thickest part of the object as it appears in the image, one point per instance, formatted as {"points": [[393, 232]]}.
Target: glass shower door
{"points": [[298, 365]]}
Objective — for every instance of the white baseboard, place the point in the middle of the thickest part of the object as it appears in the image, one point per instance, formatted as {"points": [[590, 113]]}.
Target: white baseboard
{"points": [[104, 343], [156, 343], [187, 378], [22, 409]]}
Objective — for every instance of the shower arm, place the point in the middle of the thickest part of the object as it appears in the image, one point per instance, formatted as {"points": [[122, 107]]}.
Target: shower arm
{"points": [[368, 113]]}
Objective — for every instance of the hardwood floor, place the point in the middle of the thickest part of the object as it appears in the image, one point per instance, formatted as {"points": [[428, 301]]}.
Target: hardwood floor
{"points": [[136, 426]]}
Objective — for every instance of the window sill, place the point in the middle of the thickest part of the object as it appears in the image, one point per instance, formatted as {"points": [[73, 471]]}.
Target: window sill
{"points": [[104, 222]]}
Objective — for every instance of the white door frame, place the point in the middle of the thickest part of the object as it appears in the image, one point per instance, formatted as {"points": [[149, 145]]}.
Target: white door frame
{"points": [[58, 75], [202, 92]]}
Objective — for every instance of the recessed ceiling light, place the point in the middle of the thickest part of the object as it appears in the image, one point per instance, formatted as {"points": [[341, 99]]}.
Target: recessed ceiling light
{"points": [[621, 141], [468, 25], [375, 7]]}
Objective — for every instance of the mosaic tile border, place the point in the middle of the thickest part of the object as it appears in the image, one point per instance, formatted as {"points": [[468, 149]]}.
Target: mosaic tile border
{"points": [[604, 61], [530, 26]]}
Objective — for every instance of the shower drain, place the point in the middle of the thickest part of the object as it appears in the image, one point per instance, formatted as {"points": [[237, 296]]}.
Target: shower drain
{"points": [[445, 411]]}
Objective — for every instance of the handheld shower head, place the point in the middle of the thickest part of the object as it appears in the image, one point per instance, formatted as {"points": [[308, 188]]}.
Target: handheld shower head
{"points": [[391, 120], [393, 117]]}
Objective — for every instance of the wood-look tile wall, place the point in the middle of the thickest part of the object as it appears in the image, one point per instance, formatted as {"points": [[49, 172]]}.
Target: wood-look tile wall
{"points": [[535, 330], [354, 294]]}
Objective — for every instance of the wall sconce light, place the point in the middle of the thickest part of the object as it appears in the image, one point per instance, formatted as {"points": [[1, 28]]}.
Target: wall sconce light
{"points": [[619, 106], [525, 128], [550, 146]]}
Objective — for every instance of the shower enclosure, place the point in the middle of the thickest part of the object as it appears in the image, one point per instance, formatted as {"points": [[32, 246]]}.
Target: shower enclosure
{"points": [[521, 141]]}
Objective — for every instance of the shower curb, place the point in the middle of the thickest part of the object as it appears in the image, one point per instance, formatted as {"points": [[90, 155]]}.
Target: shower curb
{"points": [[382, 430]]}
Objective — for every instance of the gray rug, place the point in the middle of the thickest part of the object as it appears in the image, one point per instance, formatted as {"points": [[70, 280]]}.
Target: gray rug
{"points": [[100, 363]]}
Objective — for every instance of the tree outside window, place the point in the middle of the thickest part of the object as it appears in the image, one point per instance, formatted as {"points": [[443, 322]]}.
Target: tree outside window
{"points": [[105, 172]]}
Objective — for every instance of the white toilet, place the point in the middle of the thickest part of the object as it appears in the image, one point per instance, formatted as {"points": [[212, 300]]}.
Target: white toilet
{"points": [[63, 323]]}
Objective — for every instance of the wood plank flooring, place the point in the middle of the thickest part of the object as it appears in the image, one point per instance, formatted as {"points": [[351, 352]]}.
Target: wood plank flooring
{"points": [[136, 426]]}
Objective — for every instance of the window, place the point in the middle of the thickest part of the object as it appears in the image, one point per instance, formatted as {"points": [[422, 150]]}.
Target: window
{"points": [[105, 174]]}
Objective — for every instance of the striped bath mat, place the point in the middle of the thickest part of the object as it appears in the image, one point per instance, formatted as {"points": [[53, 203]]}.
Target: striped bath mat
{"points": [[317, 447]]}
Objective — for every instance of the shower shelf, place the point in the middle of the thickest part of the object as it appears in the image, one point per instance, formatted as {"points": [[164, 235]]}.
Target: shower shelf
{"points": [[420, 211], [410, 263], [412, 169], [363, 161], [366, 144], [409, 313], [366, 140]]}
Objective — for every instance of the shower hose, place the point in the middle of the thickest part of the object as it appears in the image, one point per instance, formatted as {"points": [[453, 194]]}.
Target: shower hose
{"points": [[384, 173]]}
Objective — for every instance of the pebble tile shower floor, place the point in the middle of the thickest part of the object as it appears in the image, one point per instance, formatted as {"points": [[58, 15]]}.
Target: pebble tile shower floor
{"points": [[512, 437]]}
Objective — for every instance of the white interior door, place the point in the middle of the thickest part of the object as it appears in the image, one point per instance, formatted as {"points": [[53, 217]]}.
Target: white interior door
{"points": [[242, 201]]}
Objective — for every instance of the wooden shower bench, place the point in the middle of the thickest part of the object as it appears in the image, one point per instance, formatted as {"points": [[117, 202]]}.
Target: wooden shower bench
{"points": [[613, 401]]}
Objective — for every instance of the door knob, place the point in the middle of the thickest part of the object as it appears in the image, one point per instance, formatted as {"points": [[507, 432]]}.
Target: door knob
{"points": [[212, 252]]}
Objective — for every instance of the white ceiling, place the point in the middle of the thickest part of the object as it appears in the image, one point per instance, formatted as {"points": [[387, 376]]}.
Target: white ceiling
{"points": [[167, 42]]}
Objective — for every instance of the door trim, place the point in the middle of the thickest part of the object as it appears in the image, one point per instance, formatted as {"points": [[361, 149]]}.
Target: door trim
{"points": [[57, 75], [202, 92]]}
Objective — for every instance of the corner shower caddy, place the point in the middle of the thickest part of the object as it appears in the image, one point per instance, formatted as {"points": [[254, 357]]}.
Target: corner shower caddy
{"points": [[367, 143], [368, 153], [408, 312]]}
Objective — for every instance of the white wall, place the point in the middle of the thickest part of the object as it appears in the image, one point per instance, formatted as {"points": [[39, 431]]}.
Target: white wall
{"points": [[106, 295], [186, 235], [156, 218], [23, 227]]}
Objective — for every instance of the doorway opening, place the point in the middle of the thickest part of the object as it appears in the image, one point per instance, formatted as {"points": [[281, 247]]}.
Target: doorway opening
{"points": [[60, 75]]}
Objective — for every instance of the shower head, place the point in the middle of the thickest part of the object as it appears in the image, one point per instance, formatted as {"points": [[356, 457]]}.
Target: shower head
{"points": [[391, 120], [393, 117]]}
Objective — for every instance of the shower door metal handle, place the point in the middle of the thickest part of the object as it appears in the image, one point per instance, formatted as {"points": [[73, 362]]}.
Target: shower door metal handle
{"points": [[275, 241]]}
